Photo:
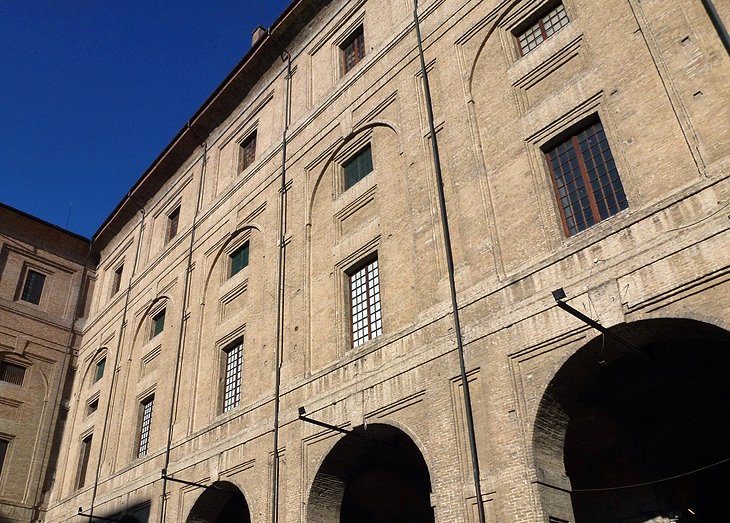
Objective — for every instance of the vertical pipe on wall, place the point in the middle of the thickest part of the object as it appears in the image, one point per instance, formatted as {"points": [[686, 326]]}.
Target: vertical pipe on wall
{"points": [[280, 294], [122, 330], [183, 326], [717, 22], [450, 266]]}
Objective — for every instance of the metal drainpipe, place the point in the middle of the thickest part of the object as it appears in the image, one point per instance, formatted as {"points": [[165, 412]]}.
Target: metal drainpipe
{"points": [[122, 330], [717, 22], [280, 296], [59, 391], [181, 331], [450, 266]]}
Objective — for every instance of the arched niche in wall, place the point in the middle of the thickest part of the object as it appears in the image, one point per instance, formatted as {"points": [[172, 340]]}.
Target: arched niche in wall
{"points": [[623, 436], [228, 305], [352, 208], [375, 473]]}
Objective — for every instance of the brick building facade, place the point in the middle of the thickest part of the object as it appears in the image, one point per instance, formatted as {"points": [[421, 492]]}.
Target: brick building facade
{"points": [[45, 273], [271, 335]]}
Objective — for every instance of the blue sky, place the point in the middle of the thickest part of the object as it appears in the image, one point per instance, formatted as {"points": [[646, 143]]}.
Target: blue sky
{"points": [[91, 91]]}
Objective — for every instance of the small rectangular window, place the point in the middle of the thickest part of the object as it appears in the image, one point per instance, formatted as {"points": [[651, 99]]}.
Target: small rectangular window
{"points": [[84, 455], [541, 29], [92, 406], [247, 154], [117, 279], [12, 373], [145, 425], [158, 323], [357, 167], [232, 383], [586, 181], [173, 220], [353, 50], [239, 259], [3, 452], [99, 372], [366, 318], [33, 287]]}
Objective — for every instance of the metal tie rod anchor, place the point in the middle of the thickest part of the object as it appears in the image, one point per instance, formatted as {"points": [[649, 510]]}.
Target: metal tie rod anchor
{"points": [[559, 295]]}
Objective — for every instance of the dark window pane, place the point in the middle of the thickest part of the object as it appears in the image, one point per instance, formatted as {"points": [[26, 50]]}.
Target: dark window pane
{"points": [[117, 279], [247, 154], [84, 454], [33, 287], [3, 451], [358, 167], [100, 369], [353, 50], [593, 195], [11, 373], [239, 259], [543, 28], [158, 323], [172, 222]]}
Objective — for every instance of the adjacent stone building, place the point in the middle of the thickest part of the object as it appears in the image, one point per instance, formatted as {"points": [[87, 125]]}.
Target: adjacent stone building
{"points": [[45, 274], [271, 335]]}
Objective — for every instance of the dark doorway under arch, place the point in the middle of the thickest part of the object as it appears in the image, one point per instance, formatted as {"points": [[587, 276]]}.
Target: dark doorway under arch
{"points": [[222, 502], [372, 475], [620, 421]]}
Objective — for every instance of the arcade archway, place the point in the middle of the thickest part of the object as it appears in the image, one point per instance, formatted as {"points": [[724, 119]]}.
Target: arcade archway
{"points": [[641, 439], [372, 475], [222, 502]]}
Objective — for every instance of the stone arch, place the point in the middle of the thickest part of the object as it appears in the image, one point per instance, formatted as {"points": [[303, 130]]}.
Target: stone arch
{"points": [[612, 427], [375, 473], [143, 317], [222, 502], [492, 26], [336, 151], [85, 379], [216, 259]]}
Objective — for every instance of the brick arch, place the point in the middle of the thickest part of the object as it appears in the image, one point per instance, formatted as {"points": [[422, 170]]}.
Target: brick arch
{"points": [[222, 502], [372, 474], [586, 420]]}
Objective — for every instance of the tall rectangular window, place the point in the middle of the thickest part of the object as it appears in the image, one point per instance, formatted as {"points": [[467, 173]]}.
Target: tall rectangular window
{"points": [[232, 383], [357, 167], [247, 154], [3, 452], [99, 371], [353, 50], [239, 259], [117, 279], [173, 220], [144, 425], [12, 373], [84, 455], [366, 317], [158, 323], [543, 28], [33, 287], [586, 180]]}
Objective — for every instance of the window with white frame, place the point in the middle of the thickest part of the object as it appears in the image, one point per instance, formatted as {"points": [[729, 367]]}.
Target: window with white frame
{"points": [[366, 320], [541, 28], [145, 425], [232, 378]]}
